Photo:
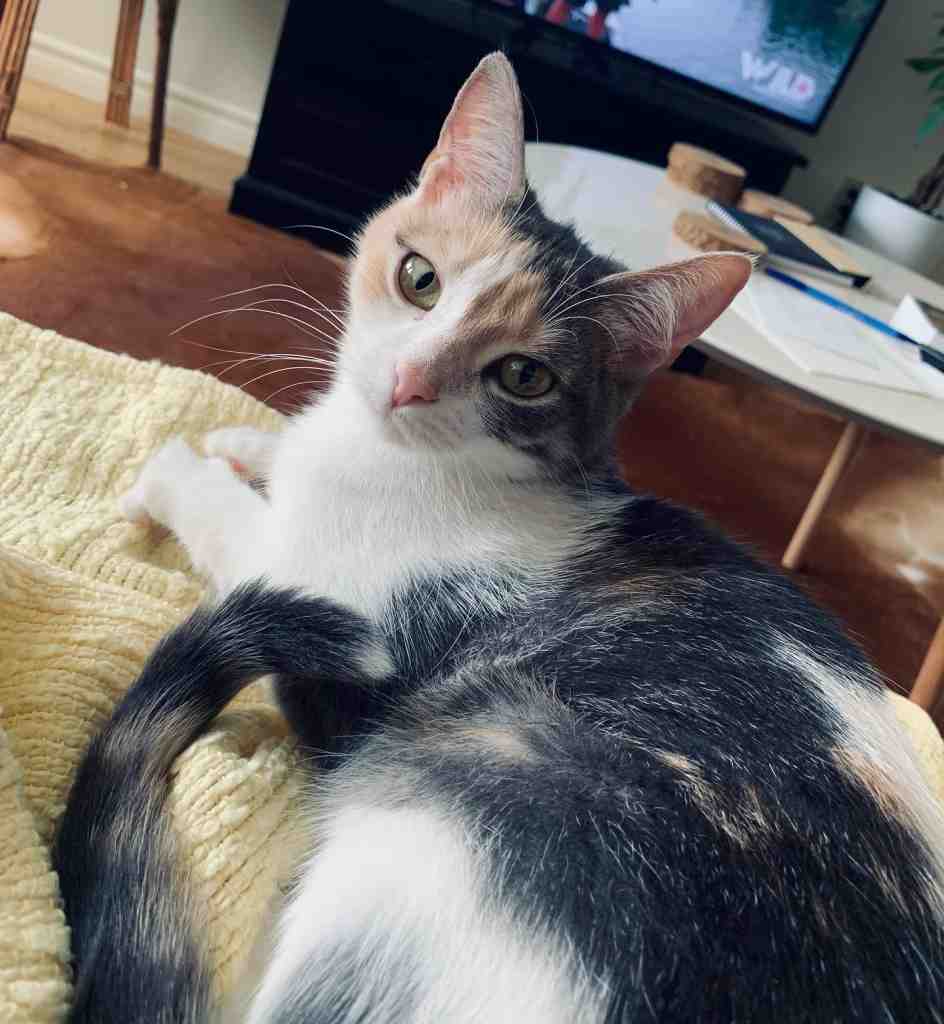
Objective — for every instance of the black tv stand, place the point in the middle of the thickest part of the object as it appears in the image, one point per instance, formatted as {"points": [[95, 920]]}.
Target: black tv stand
{"points": [[359, 90]]}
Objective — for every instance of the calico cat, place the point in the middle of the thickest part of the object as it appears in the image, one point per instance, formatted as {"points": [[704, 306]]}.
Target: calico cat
{"points": [[582, 759]]}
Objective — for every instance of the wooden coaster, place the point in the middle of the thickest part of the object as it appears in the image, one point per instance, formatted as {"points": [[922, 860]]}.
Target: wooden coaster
{"points": [[704, 172], [708, 235], [765, 205]]}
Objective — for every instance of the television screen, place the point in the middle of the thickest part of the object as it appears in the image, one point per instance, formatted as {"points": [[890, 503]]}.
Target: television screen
{"points": [[785, 56]]}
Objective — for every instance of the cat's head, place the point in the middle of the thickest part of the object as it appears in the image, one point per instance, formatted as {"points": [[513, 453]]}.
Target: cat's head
{"points": [[480, 326]]}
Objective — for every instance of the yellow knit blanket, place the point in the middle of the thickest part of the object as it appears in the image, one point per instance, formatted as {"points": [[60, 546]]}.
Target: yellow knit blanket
{"points": [[84, 596]]}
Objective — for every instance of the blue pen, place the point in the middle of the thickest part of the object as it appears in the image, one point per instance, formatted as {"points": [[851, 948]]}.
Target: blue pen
{"points": [[928, 355]]}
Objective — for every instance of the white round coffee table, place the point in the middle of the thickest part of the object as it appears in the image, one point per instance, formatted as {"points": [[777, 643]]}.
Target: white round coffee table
{"points": [[626, 209]]}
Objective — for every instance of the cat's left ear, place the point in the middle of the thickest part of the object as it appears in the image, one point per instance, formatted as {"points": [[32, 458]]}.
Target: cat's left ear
{"points": [[480, 152], [653, 314]]}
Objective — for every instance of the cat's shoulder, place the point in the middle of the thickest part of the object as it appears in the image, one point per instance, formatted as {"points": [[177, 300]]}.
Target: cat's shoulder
{"points": [[658, 532], [645, 550]]}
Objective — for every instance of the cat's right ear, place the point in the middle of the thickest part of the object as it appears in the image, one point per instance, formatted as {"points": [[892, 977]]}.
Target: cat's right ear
{"points": [[651, 315], [480, 152]]}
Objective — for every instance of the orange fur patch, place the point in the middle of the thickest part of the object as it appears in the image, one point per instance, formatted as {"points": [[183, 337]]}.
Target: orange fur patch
{"points": [[866, 773], [511, 308], [740, 815], [454, 237]]}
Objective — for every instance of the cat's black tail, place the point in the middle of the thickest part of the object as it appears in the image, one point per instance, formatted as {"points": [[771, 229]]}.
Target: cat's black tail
{"points": [[137, 955]]}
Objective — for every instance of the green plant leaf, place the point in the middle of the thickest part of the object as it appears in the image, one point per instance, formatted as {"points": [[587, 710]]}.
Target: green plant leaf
{"points": [[937, 82], [925, 64], [931, 123]]}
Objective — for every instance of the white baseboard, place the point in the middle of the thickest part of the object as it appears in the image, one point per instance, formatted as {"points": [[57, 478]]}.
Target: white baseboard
{"points": [[88, 74]]}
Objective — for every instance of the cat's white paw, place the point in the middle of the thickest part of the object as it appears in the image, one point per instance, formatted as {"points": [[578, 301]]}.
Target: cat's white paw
{"points": [[170, 468], [247, 450], [133, 508]]}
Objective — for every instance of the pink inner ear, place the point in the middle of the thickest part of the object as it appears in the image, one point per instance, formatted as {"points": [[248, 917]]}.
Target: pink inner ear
{"points": [[442, 171], [656, 313], [481, 145], [716, 280], [439, 176]]}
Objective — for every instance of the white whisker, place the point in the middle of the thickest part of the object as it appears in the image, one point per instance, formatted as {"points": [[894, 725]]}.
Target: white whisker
{"points": [[320, 227], [305, 327], [269, 373], [291, 287], [592, 298], [523, 213], [564, 280], [295, 359], [294, 384], [294, 284], [260, 303], [579, 291], [599, 323], [296, 355], [230, 364]]}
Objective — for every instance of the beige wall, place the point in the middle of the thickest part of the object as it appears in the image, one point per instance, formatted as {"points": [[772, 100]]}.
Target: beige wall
{"points": [[223, 52], [222, 55]]}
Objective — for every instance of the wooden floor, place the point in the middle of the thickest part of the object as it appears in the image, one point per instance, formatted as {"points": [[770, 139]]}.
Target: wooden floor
{"points": [[77, 125]]}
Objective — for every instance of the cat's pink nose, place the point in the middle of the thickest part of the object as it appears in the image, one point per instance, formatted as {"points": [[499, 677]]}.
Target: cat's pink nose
{"points": [[412, 386]]}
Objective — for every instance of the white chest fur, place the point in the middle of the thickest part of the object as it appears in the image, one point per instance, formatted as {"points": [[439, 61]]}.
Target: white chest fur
{"points": [[352, 514]]}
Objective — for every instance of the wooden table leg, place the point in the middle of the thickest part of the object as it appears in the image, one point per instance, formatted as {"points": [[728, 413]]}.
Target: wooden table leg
{"points": [[929, 683], [845, 449], [16, 26], [118, 108], [166, 16]]}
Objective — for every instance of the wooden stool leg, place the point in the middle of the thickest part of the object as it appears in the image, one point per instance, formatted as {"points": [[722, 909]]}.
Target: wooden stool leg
{"points": [[929, 683], [842, 455], [166, 16], [118, 108], [16, 26]]}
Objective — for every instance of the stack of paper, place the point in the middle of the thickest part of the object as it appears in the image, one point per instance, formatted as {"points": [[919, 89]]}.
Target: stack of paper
{"points": [[824, 340]]}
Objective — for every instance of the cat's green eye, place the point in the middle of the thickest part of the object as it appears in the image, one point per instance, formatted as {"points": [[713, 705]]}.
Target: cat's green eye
{"points": [[524, 377], [419, 282]]}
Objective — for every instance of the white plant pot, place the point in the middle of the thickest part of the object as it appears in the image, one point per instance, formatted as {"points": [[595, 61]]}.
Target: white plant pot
{"points": [[896, 230]]}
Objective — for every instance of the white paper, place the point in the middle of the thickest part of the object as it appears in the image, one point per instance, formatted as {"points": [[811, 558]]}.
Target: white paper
{"points": [[920, 322], [824, 340]]}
